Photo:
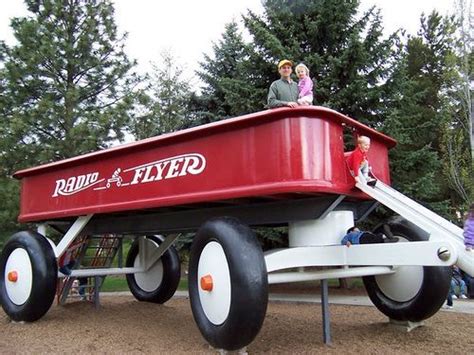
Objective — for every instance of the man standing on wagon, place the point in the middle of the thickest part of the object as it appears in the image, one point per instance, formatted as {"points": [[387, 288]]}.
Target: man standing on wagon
{"points": [[284, 91]]}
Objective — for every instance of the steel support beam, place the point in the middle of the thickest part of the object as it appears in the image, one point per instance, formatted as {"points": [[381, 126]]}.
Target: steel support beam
{"points": [[257, 214]]}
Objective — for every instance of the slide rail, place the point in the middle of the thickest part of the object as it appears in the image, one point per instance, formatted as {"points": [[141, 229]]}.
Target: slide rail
{"points": [[436, 226]]}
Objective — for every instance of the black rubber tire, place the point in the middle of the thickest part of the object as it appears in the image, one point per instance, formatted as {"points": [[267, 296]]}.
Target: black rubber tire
{"points": [[434, 287], [171, 274], [248, 280], [44, 276]]}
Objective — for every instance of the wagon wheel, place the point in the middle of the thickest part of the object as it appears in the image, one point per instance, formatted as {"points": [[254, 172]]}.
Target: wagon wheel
{"points": [[228, 285], [412, 293], [28, 276], [159, 283]]}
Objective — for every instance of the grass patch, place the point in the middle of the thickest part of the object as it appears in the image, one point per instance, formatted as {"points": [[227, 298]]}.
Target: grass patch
{"points": [[115, 283], [183, 284], [118, 283]]}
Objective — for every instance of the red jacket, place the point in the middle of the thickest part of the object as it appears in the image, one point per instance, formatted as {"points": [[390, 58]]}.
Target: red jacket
{"points": [[355, 159]]}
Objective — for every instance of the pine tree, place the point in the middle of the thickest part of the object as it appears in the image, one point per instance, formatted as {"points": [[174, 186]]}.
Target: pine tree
{"points": [[66, 89], [67, 81], [165, 102], [347, 57], [228, 90], [457, 139], [419, 117]]}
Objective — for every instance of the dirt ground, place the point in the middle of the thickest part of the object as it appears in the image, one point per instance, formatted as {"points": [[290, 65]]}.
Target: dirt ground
{"points": [[124, 325]]}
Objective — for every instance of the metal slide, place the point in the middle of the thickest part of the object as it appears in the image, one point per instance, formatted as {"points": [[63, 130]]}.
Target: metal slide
{"points": [[438, 227]]}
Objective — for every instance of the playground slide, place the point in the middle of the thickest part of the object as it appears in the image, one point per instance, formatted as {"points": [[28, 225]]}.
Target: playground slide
{"points": [[438, 227]]}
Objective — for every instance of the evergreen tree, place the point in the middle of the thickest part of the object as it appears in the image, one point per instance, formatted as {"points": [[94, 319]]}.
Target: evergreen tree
{"points": [[228, 90], [66, 88], [347, 57], [165, 102], [419, 116], [67, 82], [457, 143], [9, 188]]}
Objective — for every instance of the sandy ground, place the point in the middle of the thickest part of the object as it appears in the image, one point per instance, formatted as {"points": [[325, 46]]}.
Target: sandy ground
{"points": [[124, 325]]}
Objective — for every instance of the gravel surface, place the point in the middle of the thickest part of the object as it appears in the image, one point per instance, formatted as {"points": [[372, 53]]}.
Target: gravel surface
{"points": [[124, 325]]}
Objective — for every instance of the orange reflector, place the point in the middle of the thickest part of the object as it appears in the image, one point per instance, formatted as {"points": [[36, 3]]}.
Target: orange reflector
{"points": [[206, 282], [13, 276]]}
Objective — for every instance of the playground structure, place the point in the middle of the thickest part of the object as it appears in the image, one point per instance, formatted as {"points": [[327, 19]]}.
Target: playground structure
{"points": [[90, 252], [272, 168]]}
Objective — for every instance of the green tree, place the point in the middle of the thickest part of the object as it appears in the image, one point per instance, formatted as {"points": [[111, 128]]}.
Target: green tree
{"points": [[346, 54], [67, 81], [457, 147], [228, 89], [66, 88], [9, 190], [420, 112], [348, 59], [466, 32], [165, 102]]}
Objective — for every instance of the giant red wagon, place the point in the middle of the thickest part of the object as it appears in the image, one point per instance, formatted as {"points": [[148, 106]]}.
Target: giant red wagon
{"points": [[278, 167], [269, 155]]}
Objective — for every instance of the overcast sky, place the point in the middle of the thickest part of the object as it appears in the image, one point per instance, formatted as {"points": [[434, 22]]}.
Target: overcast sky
{"points": [[188, 27]]}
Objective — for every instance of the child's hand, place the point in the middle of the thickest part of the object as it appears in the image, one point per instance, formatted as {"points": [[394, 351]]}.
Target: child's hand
{"points": [[292, 104], [348, 244]]}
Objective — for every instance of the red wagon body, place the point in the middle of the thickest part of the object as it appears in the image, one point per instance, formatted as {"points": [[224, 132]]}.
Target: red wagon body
{"points": [[282, 153]]}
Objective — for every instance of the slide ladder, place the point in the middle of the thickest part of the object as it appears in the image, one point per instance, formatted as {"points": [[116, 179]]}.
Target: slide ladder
{"points": [[97, 252], [438, 227], [65, 285], [105, 251]]}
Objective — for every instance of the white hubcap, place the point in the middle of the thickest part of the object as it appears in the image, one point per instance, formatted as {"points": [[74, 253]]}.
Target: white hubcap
{"points": [[404, 284], [150, 280], [19, 291], [215, 303]]}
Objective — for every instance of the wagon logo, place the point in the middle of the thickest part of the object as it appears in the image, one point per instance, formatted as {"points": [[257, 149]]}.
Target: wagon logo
{"points": [[168, 168], [74, 184]]}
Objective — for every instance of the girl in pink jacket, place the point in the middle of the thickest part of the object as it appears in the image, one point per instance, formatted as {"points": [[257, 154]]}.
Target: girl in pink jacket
{"points": [[305, 85]]}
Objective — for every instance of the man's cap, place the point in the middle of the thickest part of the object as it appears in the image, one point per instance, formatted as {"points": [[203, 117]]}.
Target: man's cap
{"points": [[285, 62]]}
